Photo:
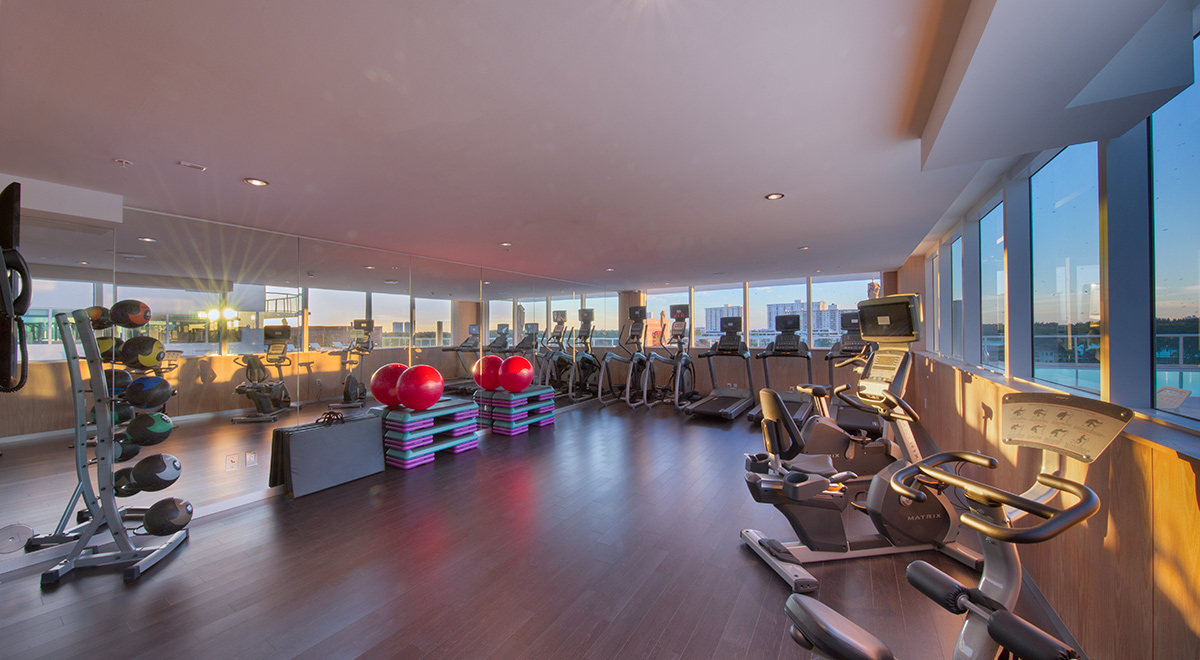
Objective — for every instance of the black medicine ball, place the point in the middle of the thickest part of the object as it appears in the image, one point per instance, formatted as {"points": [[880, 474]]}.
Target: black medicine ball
{"points": [[167, 516]]}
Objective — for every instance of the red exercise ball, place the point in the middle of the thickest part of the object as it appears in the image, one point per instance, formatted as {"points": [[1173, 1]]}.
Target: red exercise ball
{"points": [[487, 372], [385, 383], [516, 374], [420, 387]]}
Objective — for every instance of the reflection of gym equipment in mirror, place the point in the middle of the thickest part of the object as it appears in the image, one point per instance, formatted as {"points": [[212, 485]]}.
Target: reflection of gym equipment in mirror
{"points": [[466, 352], [500, 344], [269, 396], [555, 362], [354, 390], [584, 374]]}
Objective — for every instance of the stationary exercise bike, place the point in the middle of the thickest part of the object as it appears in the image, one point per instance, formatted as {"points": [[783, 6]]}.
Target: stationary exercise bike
{"points": [[635, 361], [990, 628], [354, 391], [824, 504], [680, 387], [270, 396]]}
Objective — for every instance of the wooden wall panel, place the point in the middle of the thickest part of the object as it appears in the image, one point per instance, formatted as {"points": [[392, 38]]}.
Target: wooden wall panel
{"points": [[1127, 582]]}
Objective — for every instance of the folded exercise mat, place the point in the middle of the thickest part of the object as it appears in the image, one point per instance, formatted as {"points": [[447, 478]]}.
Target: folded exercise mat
{"points": [[313, 457]]}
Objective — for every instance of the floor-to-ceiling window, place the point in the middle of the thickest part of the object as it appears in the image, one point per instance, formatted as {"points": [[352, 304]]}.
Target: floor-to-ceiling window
{"points": [[992, 285], [1065, 220]]}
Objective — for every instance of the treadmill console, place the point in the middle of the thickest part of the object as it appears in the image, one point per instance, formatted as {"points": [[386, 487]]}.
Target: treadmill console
{"points": [[531, 329], [731, 339], [586, 316], [788, 342], [473, 330]]}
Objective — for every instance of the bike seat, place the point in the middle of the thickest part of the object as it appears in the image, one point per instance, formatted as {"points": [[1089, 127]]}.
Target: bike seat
{"points": [[820, 464], [818, 627]]}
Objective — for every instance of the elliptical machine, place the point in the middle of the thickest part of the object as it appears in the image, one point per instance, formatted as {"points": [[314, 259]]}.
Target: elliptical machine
{"points": [[270, 397], [354, 391], [787, 345], [584, 377], [630, 392], [680, 387], [554, 362], [990, 627], [827, 520]]}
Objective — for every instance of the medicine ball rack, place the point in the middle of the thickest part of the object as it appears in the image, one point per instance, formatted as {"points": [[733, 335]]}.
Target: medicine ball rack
{"points": [[99, 498]]}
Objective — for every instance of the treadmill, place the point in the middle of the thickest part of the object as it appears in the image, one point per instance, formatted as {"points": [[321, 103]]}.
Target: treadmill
{"points": [[726, 402], [500, 344], [787, 345], [469, 345], [528, 344], [852, 346]]}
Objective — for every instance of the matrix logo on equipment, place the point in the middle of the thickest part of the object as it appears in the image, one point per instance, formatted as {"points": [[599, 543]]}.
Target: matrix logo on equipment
{"points": [[925, 516]]}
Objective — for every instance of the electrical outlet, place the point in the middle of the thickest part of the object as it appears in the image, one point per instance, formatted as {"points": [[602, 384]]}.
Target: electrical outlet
{"points": [[231, 462], [251, 458], [318, 382]]}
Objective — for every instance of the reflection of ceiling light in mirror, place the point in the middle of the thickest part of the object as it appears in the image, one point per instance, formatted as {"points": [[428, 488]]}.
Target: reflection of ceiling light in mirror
{"points": [[608, 270], [369, 267], [81, 263], [259, 183], [802, 247], [391, 281], [775, 196], [147, 239], [192, 166], [122, 162], [486, 282], [506, 245], [311, 274]]}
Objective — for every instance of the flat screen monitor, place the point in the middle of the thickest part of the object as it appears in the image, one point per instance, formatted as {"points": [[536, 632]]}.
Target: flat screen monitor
{"points": [[891, 319], [531, 328], [587, 315], [680, 313], [473, 329], [731, 324], [637, 313], [560, 316], [366, 325], [787, 323], [849, 321], [502, 329], [277, 333]]}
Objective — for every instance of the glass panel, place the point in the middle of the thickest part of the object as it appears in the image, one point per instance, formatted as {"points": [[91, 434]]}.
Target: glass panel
{"points": [[992, 285], [1065, 214], [500, 312], [330, 313], [935, 303], [658, 303], [831, 297], [713, 304], [446, 302], [607, 326], [771, 299], [956, 299], [1175, 148]]}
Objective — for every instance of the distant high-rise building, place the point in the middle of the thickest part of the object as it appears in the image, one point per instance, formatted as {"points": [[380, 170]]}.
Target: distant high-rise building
{"points": [[713, 316], [826, 317]]}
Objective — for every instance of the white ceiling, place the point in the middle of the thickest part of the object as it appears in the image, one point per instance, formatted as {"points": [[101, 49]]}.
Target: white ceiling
{"points": [[638, 135]]}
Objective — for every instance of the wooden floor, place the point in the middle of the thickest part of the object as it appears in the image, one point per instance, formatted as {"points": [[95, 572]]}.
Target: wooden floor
{"points": [[612, 534]]}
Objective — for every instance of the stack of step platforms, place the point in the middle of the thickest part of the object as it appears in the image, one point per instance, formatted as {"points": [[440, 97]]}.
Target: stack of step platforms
{"points": [[512, 414], [411, 437]]}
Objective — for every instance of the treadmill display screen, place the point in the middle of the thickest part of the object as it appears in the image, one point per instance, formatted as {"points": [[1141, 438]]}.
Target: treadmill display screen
{"points": [[473, 329], [886, 320], [731, 324], [679, 312], [787, 323]]}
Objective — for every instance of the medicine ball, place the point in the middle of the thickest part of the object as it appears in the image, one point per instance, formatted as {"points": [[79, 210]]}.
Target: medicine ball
{"points": [[117, 380], [130, 313], [156, 472], [123, 484], [149, 429], [109, 347], [148, 392], [124, 451], [100, 316], [141, 353], [167, 516], [119, 413]]}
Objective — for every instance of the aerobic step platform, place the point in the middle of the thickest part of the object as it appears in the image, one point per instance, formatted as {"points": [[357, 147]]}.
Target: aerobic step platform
{"points": [[512, 414], [411, 437]]}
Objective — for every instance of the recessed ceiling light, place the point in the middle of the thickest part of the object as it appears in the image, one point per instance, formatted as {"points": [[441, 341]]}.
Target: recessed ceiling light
{"points": [[256, 182], [818, 270], [802, 247], [122, 162], [369, 267], [81, 263], [486, 282], [666, 284], [774, 196], [192, 166], [608, 270], [147, 239], [391, 281], [506, 245]]}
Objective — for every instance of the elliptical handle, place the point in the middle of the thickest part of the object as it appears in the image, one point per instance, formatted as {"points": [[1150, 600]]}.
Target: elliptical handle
{"points": [[1057, 520], [849, 361], [904, 476]]}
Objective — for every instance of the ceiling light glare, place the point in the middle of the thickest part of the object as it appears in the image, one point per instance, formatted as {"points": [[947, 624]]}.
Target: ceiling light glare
{"points": [[81, 263], [147, 239], [369, 267], [506, 245], [802, 247], [122, 162], [256, 182], [608, 270], [775, 196]]}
